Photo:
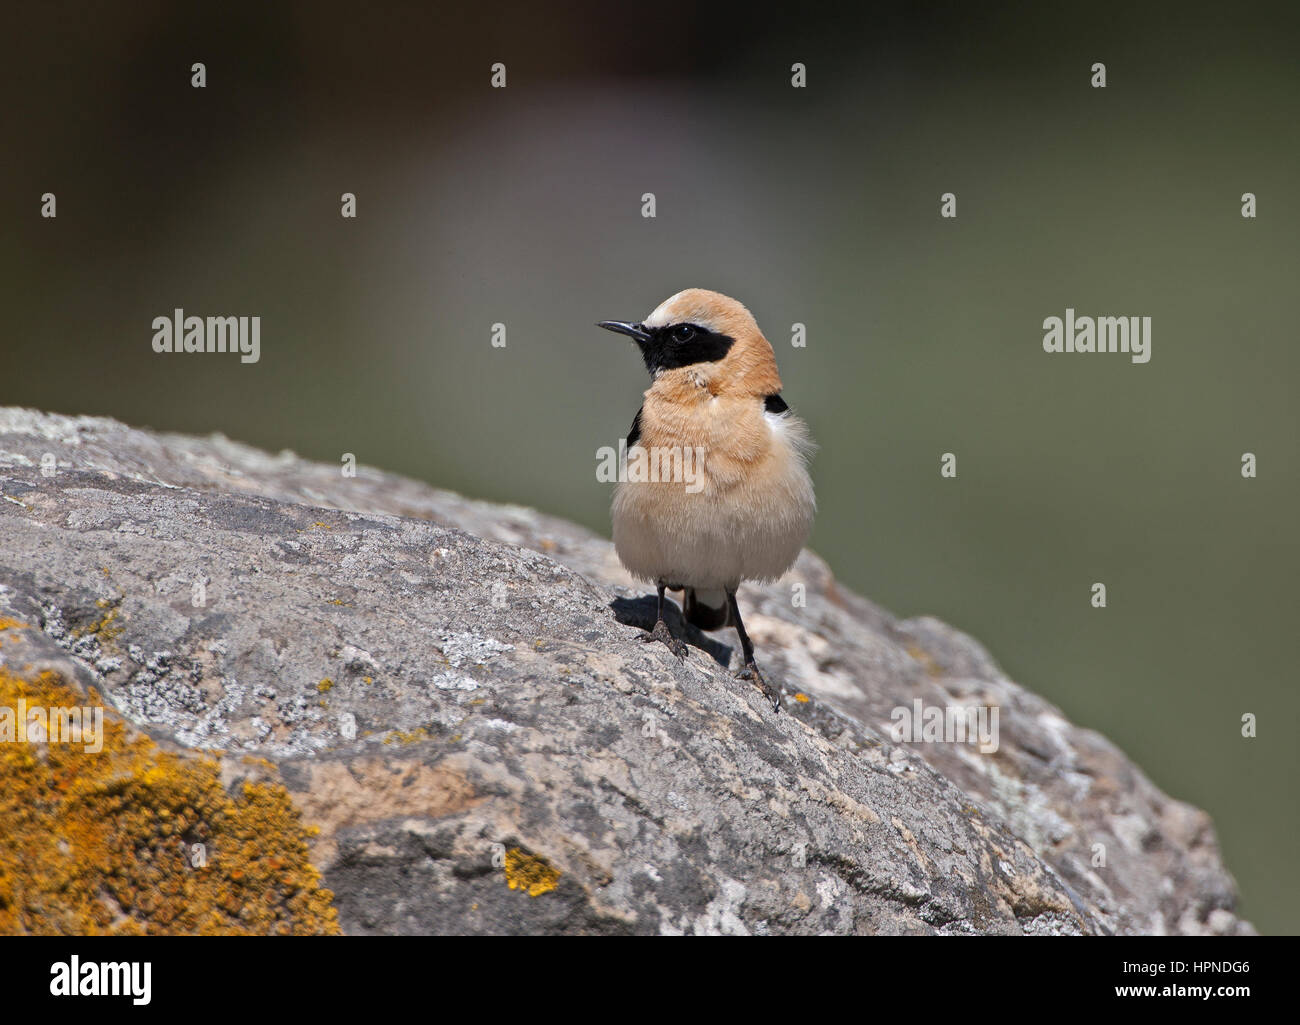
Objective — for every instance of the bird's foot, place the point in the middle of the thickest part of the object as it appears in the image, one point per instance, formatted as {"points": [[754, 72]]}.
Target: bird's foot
{"points": [[663, 634], [750, 672]]}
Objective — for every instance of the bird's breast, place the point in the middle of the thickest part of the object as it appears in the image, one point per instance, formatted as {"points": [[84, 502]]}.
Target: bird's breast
{"points": [[730, 434], [741, 510]]}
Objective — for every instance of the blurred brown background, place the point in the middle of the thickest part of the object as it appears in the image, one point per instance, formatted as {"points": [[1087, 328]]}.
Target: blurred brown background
{"points": [[819, 205]]}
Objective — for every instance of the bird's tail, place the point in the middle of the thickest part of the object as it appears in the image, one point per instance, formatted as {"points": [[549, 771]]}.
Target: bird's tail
{"points": [[705, 609]]}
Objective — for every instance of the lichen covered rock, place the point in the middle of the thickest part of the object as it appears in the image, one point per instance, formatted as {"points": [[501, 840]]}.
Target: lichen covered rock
{"points": [[445, 705], [111, 835]]}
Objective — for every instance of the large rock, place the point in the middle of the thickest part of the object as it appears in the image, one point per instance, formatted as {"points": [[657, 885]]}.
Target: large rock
{"points": [[455, 694]]}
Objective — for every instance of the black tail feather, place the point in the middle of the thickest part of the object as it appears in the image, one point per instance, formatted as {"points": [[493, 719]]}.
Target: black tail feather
{"points": [[705, 617]]}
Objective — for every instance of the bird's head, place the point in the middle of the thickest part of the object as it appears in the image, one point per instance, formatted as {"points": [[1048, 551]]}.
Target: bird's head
{"points": [[702, 338]]}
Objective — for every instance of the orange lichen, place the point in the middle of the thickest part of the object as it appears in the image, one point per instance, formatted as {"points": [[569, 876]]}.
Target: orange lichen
{"points": [[136, 840], [106, 628], [802, 698], [530, 872], [404, 737]]}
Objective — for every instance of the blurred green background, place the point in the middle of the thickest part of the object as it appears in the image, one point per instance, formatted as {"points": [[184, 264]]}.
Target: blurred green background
{"points": [[820, 205]]}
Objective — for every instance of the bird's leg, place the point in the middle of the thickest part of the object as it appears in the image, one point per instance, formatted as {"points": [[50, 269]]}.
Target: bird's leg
{"points": [[661, 631], [750, 672]]}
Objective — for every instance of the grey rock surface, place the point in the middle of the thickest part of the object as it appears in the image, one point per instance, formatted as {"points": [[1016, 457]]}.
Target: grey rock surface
{"points": [[438, 681]]}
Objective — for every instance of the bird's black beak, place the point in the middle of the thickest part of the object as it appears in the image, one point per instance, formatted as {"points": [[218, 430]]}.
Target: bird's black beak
{"points": [[633, 331]]}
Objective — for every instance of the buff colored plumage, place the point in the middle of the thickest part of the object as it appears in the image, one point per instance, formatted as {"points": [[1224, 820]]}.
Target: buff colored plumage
{"points": [[715, 391]]}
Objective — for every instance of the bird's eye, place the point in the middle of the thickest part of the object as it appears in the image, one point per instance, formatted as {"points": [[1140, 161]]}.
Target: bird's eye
{"points": [[683, 333]]}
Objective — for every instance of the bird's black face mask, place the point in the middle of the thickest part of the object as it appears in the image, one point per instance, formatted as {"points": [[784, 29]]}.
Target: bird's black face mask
{"points": [[674, 345]]}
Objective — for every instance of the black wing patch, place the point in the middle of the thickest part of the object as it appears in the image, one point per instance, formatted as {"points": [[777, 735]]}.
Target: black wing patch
{"points": [[634, 435], [773, 404]]}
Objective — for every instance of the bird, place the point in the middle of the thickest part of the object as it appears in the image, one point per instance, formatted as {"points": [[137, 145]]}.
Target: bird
{"points": [[743, 505]]}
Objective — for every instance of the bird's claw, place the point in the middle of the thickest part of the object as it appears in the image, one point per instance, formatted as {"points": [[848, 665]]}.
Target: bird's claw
{"points": [[750, 672], [663, 634]]}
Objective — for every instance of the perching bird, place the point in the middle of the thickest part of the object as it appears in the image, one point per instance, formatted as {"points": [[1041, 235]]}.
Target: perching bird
{"points": [[744, 510]]}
